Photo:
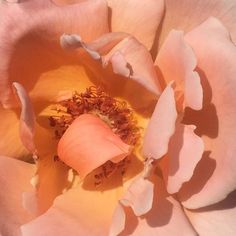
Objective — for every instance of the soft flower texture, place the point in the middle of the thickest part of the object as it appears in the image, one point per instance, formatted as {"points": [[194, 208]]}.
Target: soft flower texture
{"points": [[172, 63]]}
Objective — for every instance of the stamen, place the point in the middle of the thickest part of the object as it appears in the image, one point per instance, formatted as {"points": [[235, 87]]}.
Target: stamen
{"points": [[117, 114]]}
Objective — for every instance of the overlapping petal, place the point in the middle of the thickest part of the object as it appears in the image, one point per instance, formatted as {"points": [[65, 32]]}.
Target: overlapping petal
{"points": [[77, 212], [79, 145], [161, 126], [46, 23], [14, 180], [165, 218], [27, 119], [186, 15], [138, 18], [185, 151], [176, 61], [214, 176], [127, 56], [218, 219]]}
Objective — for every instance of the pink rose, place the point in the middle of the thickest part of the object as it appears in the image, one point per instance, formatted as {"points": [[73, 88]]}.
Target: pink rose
{"points": [[127, 117]]}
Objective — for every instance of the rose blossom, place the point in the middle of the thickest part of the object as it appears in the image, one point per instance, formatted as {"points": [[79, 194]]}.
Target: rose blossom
{"points": [[188, 141]]}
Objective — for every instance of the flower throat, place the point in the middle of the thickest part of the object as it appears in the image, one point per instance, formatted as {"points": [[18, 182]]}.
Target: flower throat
{"points": [[116, 114]]}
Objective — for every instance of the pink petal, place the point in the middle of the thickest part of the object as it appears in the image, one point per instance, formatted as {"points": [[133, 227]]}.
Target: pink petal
{"points": [[66, 2], [215, 175], [137, 18], [177, 62], [14, 180], [9, 132], [139, 196], [185, 151], [218, 219], [128, 57], [165, 218], [88, 143], [118, 221], [185, 15], [161, 126], [51, 177], [27, 118], [76, 212], [47, 21]]}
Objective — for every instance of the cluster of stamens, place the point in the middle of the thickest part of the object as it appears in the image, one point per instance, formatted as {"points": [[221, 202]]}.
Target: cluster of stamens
{"points": [[118, 116]]}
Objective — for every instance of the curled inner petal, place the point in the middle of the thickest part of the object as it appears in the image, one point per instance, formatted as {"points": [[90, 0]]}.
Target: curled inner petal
{"points": [[79, 145]]}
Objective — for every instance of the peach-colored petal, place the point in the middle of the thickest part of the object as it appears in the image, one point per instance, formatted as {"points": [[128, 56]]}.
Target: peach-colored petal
{"points": [[14, 180], [215, 174], [51, 177], [161, 126], [127, 56], [27, 118], [118, 221], [79, 211], [66, 2], [18, 21], [139, 196], [9, 132], [185, 15], [12, 1], [138, 18], [185, 151], [88, 143], [165, 218], [177, 62], [218, 219]]}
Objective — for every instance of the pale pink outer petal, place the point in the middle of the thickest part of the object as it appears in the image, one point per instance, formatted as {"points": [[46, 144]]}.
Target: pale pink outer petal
{"points": [[12, 1], [165, 218], [14, 180], [66, 2], [47, 21], [216, 220], [138, 18], [139, 196], [215, 175], [185, 151], [185, 15], [161, 126], [118, 220], [9, 132], [177, 62], [138, 61], [27, 118], [127, 56], [88, 143]]}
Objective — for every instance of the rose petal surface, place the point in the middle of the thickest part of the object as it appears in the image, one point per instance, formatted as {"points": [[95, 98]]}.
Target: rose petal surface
{"points": [[165, 218], [27, 118], [185, 15], [14, 179], [161, 126], [218, 219], [177, 62], [47, 23], [126, 15], [127, 56], [185, 151], [88, 143], [214, 177], [79, 211]]}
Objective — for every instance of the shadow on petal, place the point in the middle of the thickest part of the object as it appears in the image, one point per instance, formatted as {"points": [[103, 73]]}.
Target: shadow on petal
{"points": [[206, 167]]}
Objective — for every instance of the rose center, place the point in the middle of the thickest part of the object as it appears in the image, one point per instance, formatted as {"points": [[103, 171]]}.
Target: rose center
{"points": [[115, 113]]}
